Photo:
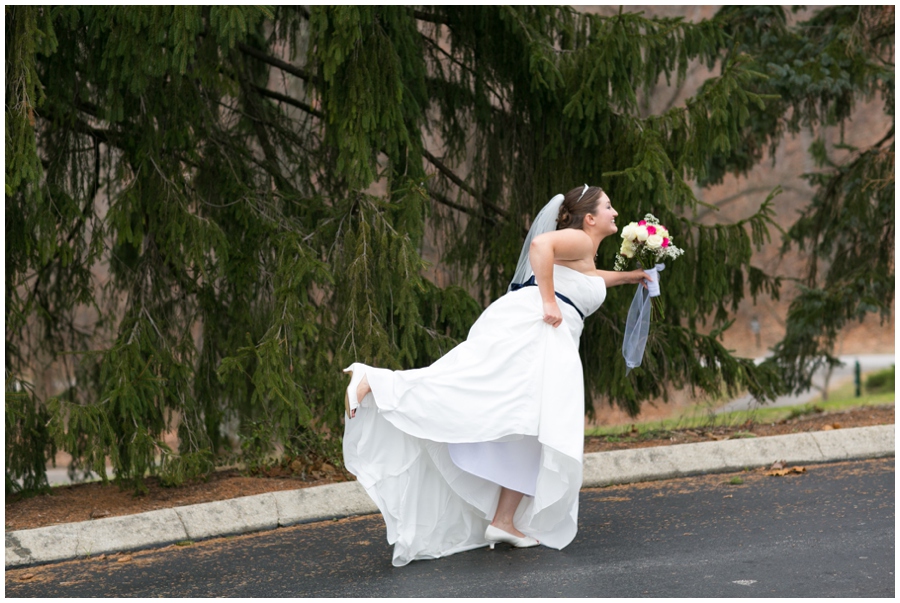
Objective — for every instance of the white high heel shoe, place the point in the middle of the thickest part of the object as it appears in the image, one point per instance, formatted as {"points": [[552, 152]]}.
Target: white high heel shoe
{"points": [[494, 535], [350, 401]]}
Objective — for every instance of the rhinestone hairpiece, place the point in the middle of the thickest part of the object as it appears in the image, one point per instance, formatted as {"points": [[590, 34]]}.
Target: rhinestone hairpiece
{"points": [[582, 193]]}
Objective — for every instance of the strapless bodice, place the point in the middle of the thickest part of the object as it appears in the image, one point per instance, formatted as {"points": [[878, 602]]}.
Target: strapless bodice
{"points": [[586, 292]]}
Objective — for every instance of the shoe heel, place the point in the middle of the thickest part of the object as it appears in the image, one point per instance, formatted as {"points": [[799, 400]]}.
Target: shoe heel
{"points": [[494, 535], [492, 545]]}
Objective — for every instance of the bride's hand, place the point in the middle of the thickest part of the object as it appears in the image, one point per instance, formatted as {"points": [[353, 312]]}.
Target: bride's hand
{"points": [[552, 315], [641, 277]]}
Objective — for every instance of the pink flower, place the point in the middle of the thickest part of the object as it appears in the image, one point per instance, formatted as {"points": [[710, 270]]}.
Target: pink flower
{"points": [[642, 222], [665, 242], [651, 230]]}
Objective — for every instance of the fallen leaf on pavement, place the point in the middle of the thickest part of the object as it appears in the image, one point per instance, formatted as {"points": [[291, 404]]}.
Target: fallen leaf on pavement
{"points": [[124, 559], [24, 577], [783, 472], [778, 465]]}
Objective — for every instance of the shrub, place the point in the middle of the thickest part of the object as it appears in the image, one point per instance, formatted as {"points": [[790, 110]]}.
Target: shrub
{"points": [[880, 382]]}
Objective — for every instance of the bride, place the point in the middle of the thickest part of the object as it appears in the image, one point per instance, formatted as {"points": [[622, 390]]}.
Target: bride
{"points": [[485, 445]]}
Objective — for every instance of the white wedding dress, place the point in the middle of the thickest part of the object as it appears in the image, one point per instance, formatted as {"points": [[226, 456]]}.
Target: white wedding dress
{"points": [[432, 446]]}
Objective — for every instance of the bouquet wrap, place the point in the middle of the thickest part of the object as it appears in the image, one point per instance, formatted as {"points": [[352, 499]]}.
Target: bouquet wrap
{"points": [[637, 325], [648, 242], [653, 285]]}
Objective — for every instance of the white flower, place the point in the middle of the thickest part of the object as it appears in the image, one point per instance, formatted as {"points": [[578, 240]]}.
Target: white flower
{"points": [[628, 233], [642, 233], [654, 241], [627, 249]]}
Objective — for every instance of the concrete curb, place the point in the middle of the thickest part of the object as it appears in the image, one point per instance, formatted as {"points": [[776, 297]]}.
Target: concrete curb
{"points": [[664, 462], [290, 507]]}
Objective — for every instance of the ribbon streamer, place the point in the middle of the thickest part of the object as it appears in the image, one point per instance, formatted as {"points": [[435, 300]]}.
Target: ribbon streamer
{"points": [[637, 326]]}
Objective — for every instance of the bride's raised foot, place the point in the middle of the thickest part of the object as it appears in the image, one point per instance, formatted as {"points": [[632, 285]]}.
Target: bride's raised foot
{"points": [[494, 535], [356, 390]]}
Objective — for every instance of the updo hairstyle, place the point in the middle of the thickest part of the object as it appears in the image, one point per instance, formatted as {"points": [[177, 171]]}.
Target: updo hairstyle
{"points": [[576, 206]]}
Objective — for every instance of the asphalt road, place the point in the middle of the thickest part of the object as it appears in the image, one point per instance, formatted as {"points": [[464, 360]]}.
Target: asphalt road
{"points": [[828, 532]]}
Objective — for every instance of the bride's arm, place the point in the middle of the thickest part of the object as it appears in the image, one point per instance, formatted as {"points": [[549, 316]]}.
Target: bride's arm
{"points": [[566, 244], [631, 277]]}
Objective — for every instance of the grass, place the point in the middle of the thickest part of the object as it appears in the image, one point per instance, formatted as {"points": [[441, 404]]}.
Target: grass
{"points": [[702, 416], [843, 397]]}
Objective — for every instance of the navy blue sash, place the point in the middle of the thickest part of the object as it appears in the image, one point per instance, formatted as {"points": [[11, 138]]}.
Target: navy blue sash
{"points": [[531, 283]]}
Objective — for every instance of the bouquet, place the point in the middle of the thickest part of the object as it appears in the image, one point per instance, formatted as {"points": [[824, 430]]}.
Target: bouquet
{"points": [[649, 241]]}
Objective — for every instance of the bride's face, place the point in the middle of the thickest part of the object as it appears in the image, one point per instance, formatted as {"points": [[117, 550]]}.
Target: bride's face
{"points": [[605, 216]]}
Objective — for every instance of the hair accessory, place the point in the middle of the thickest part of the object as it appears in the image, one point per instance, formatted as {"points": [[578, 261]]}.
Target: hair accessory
{"points": [[582, 193]]}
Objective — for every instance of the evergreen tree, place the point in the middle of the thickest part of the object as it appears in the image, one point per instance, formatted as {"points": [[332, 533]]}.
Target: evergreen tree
{"points": [[259, 182], [820, 69]]}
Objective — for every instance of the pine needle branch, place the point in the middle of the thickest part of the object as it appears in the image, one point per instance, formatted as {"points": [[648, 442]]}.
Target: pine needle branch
{"points": [[462, 65], [274, 61], [430, 17], [289, 100], [461, 184], [459, 207]]}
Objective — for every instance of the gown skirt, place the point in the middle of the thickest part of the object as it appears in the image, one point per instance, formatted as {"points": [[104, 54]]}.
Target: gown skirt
{"points": [[432, 446]]}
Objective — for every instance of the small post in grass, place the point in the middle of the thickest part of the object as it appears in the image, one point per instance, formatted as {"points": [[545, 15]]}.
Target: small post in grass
{"points": [[857, 381]]}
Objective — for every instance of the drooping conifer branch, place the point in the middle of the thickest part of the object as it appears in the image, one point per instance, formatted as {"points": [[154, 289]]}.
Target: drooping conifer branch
{"points": [[271, 163], [430, 17], [274, 62], [109, 137], [462, 66], [460, 183], [459, 207], [289, 100]]}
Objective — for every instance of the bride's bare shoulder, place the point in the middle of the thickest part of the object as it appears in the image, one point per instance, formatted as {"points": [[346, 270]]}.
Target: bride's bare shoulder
{"points": [[566, 236]]}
